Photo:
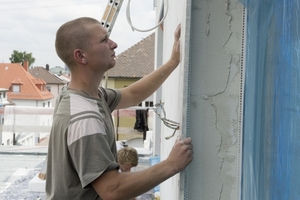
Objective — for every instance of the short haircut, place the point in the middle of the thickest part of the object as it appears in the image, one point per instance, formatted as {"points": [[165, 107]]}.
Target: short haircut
{"points": [[128, 155], [73, 35]]}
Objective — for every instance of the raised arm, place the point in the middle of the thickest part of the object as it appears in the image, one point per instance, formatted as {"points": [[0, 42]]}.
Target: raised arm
{"points": [[113, 185], [140, 90]]}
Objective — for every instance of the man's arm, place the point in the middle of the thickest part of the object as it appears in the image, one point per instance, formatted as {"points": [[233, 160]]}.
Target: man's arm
{"points": [[113, 185], [140, 90]]}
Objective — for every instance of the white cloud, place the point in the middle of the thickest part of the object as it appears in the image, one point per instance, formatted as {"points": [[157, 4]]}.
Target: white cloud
{"points": [[30, 25]]}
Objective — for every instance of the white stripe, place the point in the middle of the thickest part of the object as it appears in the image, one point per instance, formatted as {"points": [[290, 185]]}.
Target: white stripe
{"points": [[85, 117], [78, 105], [83, 128]]}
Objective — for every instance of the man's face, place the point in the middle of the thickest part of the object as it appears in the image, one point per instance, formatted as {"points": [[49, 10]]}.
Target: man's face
{"points": [[100, 54], [126, 167]]}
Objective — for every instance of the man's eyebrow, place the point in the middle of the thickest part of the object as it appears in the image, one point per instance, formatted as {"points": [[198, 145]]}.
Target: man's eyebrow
{"points": [[104, 37]]}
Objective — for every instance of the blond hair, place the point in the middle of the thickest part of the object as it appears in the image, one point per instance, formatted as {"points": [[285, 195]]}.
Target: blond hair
{"points": [[128, 155]]}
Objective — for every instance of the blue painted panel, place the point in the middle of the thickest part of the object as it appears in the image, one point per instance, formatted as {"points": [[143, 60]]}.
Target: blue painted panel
{"points": [[271, 135]]}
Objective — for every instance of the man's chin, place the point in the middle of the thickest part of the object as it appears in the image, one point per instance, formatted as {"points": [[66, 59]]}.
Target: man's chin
{"points": [[113, 65]]}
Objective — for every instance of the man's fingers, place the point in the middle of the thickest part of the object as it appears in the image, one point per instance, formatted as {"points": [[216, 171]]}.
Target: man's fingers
{"points": [[187, 140], [178, 32], [178, 138]]}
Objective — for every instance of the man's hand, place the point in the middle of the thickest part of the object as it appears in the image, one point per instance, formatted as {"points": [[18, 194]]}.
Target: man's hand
{"points": [[182, 154], [175, 57]]}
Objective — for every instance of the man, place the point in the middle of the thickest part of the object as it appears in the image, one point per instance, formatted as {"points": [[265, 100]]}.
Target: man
{"points": [[82, 149]]}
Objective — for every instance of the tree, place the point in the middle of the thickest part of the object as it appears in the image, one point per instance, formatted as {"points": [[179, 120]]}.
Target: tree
{"points": [[19, 57]]}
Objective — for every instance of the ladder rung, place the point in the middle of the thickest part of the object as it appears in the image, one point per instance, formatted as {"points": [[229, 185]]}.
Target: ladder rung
{"points": [[110, 15]]}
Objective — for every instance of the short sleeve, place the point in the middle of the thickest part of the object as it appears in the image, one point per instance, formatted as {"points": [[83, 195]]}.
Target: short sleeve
{"points": [[113, 98]]}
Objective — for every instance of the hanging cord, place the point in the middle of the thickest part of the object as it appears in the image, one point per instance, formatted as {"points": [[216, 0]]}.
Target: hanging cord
{"points": [[159, 23], [169, 123]]}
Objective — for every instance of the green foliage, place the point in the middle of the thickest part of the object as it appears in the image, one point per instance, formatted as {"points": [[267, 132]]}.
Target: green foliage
{"points": [[19, 57]]}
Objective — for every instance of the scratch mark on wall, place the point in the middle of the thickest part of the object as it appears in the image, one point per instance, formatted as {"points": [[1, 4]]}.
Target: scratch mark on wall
{"points": [[221, 143], [228, 38], [228, 13], [206, 97], [221, 190], [216, 114], [234, 124], [207, 24], [220, 172]]}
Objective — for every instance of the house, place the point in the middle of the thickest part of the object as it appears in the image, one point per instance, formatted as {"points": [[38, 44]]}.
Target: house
{"points": [[27, 94], [3, 102], [54, 83], [132, 65], [23, 88]]}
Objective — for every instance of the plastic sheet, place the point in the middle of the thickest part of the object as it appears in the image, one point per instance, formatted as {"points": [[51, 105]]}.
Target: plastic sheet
{"points": [[25, 125], [27, 119], [271, 123]]}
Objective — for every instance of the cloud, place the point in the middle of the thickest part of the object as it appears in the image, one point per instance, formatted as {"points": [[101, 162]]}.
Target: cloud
{"points": [[30, 25]]}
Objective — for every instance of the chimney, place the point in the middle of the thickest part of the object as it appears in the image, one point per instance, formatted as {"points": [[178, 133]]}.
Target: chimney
{"points": [[25, 65], [47, 67]]}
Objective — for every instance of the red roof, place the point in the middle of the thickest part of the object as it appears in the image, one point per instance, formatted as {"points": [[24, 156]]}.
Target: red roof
{"points": [[16, 74]]}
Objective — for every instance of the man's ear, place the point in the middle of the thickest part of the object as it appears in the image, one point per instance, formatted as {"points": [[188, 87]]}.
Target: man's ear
{"points": [[79, 56]]}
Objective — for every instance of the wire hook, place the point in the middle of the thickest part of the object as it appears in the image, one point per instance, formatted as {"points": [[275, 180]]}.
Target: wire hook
{"points": [[167, 122]]}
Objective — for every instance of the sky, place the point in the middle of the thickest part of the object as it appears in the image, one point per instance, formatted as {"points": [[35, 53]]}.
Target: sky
{"points": [[31, 25]]}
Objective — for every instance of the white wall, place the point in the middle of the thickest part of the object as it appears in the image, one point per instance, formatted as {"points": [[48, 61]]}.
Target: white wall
{"points": [[33, 103], [3, 97], [55, 89], [170, 92], [27, 123]]}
